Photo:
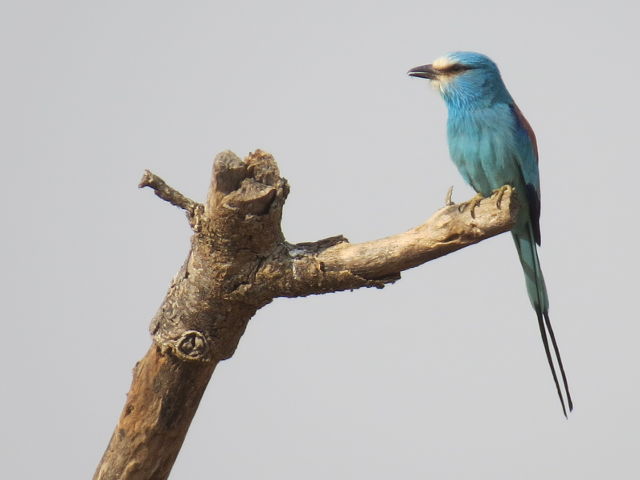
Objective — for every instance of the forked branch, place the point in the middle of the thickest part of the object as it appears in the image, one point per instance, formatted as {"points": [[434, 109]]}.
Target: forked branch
{"points": [[239, 262]]}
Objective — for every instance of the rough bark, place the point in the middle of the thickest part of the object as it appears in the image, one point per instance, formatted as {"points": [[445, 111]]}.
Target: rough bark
{"points": [[239, 262]]}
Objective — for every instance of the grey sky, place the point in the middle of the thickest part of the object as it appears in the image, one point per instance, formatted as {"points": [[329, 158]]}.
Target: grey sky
{"points": [[441, 375]]}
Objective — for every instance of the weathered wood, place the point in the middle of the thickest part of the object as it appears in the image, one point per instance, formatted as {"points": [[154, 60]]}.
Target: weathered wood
{"points": [[239, 262], [164, 395], [335, 264]]}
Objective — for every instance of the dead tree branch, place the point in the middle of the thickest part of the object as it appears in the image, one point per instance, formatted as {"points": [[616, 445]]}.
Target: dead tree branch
{"points": [[239, 262]]}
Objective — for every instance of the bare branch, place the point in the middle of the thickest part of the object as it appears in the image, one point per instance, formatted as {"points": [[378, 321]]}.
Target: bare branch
{"points": [[334, 264], [239, 261], [169, 194], [446, 231]]}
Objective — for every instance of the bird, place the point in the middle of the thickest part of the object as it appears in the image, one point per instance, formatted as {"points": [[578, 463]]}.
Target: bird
{"points": [[494, 148]]}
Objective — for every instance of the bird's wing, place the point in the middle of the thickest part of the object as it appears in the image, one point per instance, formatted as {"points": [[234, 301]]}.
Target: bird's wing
{"points": [[524, 125], [527, 157]]}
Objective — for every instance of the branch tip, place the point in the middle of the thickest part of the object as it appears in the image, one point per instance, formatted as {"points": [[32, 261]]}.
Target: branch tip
{"points": [[168, 193]]}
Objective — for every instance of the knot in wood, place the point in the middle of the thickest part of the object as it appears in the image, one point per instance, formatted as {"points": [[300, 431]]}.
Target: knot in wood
{"points": [[192, 345]]}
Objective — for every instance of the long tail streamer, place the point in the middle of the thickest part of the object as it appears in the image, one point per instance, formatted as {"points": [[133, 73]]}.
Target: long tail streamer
{"points": [[538, 295]]}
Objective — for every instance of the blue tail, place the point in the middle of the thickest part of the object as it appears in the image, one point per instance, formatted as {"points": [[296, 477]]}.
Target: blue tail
{"points": [[525, 244]]}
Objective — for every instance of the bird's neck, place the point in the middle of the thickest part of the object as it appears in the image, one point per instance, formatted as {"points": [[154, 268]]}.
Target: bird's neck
{"points": [[467, 98]]}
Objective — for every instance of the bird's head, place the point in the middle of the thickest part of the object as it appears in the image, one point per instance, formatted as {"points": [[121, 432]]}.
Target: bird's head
{"points": [[464, 78]]}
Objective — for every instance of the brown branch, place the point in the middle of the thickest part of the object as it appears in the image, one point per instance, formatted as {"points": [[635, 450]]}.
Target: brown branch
{"points": [[169, 194], [239, 261], [334, 264], [446, 231]]}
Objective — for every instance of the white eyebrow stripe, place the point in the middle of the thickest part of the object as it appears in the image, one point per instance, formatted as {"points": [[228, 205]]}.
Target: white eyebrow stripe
{"points": [[442, 63]]}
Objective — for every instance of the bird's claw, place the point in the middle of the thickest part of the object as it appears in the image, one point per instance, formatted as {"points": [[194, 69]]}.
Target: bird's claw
{"points": [[447, 199], [499, 193], [472, 204]]}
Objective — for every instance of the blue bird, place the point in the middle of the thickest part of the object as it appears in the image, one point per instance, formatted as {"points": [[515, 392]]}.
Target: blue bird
{"points": [[493, 145]]}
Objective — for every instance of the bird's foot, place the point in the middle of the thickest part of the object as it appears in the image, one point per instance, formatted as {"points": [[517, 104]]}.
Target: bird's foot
{"points": [[499, 193], [447, 200], [472, 204]]}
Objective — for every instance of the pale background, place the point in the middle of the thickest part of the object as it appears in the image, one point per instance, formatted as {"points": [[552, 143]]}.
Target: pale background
{"points": [[441, 375]]}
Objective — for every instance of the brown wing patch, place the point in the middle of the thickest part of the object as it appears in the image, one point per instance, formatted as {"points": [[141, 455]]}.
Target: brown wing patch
{"points": [[527, 128]]}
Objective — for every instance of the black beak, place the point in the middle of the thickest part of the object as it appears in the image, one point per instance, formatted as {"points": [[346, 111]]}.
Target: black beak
{"points": [[425, 71]]}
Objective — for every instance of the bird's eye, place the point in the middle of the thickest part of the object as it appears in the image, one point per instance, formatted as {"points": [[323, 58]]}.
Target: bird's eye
{"points": [[456, 68]]}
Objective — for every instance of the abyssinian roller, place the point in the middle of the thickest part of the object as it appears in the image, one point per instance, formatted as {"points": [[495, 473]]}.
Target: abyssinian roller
{"points": [[493, 146]]}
